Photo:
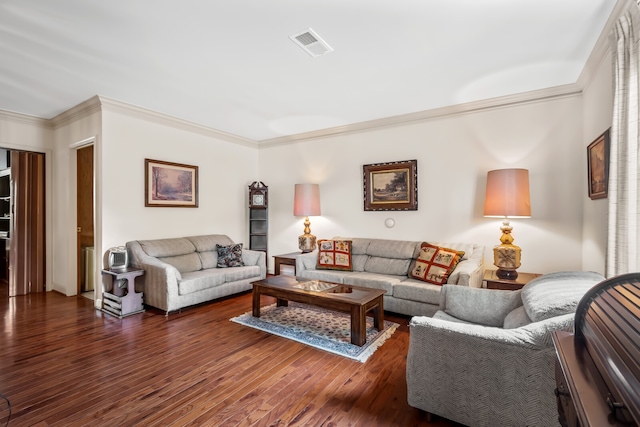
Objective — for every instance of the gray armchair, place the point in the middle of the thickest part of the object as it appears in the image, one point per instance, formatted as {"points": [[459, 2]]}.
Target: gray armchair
{"points": [[486, 357]]}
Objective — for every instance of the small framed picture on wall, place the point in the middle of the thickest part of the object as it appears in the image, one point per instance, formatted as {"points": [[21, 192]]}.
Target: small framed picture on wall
{"points": [[170, 184], [598, 167], [391, 186]]}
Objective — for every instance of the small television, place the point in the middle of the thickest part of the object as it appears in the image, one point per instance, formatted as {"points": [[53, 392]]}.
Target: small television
{"points": [[118, 258]]}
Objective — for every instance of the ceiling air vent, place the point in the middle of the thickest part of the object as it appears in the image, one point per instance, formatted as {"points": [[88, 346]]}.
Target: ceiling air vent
{"points": [[311, 43]]}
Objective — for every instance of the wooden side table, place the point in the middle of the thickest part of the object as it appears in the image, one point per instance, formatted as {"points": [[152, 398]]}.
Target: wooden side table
{"points": [[494, 282], [117, 302], [286, 259]]}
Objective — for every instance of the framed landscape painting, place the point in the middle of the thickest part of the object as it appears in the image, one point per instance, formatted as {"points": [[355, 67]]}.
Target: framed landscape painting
{"points": [[598, 167], [391, 186], [170, 184]]}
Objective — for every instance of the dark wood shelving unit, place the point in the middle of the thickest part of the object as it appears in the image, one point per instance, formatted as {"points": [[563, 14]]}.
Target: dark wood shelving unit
{"points": [[258, 217], [258, 226]]}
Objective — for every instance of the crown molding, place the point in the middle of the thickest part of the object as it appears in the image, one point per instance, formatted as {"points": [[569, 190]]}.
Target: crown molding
{"points": [[541, 95], [602, 46], [24, 118], [167, 120], [102, 103], [80, 111]]}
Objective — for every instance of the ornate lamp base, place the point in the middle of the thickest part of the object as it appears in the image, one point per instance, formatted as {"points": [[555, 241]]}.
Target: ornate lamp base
{"points": [[507, 258], [507, 274], [307, 243]]}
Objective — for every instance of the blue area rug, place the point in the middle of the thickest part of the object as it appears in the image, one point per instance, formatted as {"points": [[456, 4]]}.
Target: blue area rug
{"points": [[324, 329]]}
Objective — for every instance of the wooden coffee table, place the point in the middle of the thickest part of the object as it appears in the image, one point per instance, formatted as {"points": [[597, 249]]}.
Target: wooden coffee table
{"points": [[356, 300]]}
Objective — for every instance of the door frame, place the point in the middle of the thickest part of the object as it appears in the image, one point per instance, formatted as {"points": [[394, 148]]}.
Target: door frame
{"points": [[97, 225], [79, 258]]}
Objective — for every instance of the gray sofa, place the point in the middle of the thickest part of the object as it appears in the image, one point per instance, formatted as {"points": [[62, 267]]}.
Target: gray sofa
{"points": [[385, 264], [487, 357], [183, 271]]}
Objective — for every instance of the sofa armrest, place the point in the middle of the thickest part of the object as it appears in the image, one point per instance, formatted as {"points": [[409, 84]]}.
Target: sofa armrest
{"points": [[468, 272], [160, 280], [259, 258], [306, 261]]}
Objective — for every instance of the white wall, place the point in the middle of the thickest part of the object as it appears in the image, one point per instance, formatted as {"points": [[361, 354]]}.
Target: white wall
{"points": [[454, 154], [121, 143], [597, 112], [225, 171], [68, 133]]}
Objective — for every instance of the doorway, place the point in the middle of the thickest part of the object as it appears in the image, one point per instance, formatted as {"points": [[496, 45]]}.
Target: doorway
{"points": [[26, 214], [85, 222], [5, 219]]}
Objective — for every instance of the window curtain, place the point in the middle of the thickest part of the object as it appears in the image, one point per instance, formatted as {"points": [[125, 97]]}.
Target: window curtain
{"points": [[623, 239]]}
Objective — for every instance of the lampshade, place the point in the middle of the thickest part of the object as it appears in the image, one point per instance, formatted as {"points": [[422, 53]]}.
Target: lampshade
{"points": [[306, 200], [507, 193]]}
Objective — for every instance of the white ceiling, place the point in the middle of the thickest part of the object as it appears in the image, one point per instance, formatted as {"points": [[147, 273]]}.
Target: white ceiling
{"points": [[231, 66]]}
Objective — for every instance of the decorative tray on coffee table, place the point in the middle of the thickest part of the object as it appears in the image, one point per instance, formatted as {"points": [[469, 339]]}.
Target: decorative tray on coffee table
{"points": [[315, 285]]}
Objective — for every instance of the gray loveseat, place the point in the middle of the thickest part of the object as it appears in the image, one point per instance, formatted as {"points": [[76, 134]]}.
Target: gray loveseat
{"points": [[183, 271], [487, 357], [384, 264]]}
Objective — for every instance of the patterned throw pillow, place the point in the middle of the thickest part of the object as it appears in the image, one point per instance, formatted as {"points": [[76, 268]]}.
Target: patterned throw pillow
{"points": [[334, 255], [230, 256], [435, 264]]}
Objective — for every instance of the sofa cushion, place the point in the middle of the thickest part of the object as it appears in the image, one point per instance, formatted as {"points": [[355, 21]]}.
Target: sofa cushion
{"points": [[334, 276], [359, 261], [435, 263], [555, 294], [241, 273], [374, 280], [209, 259], [359, 246], [334, 255], [396, 267], [441, 315], [416, 290], [201, 280], [229, 256], [396, 249], [518, 317], [208, 242], [184, 263], [167, 247]]}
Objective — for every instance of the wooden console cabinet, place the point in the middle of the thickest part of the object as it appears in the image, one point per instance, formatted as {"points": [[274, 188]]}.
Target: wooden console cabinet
{"points": [[597, 370]]}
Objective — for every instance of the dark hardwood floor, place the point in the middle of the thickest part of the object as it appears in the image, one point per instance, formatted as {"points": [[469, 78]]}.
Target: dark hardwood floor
{"points": [[63, 363]]}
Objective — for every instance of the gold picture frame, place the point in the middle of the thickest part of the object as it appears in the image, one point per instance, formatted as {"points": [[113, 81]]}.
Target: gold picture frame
{"points": [[169, 184], [598, 167], [391, 186]]}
